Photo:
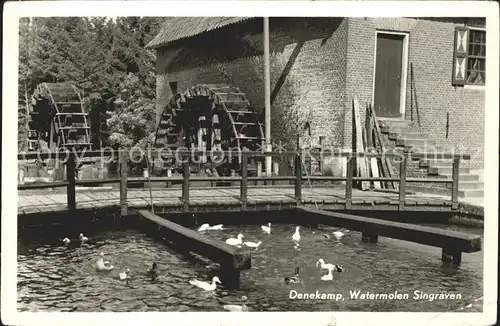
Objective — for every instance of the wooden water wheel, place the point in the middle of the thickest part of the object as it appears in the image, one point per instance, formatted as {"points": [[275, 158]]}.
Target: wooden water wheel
{"points": [[58, 118], [210, 117]]}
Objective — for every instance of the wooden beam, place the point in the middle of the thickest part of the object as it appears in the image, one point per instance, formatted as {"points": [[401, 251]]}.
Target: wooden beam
{"points": [[361, 161], [267, 96], [442, 238], [231, 259], [373, 161], [455, 179], [385, 160]]}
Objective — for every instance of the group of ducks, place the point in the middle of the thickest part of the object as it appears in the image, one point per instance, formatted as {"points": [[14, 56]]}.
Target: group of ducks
{"points": [[106, 266], [83, 239], [327, 277], [238, 241], [152, 273]]}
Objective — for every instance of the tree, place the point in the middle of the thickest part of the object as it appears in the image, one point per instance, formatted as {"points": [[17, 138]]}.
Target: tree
{"points": [[107, 60]]}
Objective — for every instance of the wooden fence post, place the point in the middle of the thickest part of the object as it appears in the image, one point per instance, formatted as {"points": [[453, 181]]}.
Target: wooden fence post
{"points": [[298, 178], [123, 166], [402, 183], [348, 184], [185, 186], [321, 154], [70, 174], [244, 180], [455, 179]]}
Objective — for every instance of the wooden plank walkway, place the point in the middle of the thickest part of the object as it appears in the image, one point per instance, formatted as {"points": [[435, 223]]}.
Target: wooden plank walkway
{"points": [[169, 200]]}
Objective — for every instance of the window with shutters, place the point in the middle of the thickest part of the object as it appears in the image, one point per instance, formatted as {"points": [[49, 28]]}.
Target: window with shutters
{"points": [[469, 67]]}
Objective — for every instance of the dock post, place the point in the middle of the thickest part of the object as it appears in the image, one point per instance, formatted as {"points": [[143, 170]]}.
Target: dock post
{"points": [[402, 183], [244, 180], [230, 277], [185, 186], [169, 175], [298, 178], [450, 255], [348, 183], [71, 192], [123, 166], [455, 178]]}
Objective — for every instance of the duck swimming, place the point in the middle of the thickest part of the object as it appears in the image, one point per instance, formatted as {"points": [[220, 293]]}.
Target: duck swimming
{"points": [[338, 234], [216, 227], [339, 268], [83, 238], [102, 265], [66, 241], [237, 308], [235, 241], [125, 276], [204, 227], [293, 279], [152, 272], [252, 244], [267, 228], [296, 235], [321, 262], [205, 285], [329, 276]]}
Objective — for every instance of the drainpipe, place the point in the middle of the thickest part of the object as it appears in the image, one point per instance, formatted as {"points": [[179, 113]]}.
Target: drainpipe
{"points": [[267, 96]]}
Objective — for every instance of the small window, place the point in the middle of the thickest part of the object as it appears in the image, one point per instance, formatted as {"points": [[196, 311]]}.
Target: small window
{"points": [[469, 66], [173, 87], [476, 57]]}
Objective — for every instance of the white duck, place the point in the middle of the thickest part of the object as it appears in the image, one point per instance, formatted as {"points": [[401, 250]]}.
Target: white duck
{"points": [[252, 244], [235, 307], [321, 262], [83, 238], [216, 227], [329, 276], [235, 241], [102, 265], [267, 228], [204, 227], [296, 235], [66, 241], [205, 285], [125, 276], [338, 234]]}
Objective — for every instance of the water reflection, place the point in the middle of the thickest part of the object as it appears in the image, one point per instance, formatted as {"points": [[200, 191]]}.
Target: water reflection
{"points": [[55, 277]]}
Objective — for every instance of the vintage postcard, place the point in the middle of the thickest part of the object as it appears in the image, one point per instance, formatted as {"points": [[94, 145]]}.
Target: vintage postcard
{"points": [[308, 162]]}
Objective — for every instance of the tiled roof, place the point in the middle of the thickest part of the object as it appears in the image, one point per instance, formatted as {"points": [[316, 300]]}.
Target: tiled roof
{"points": [[176, 28]]}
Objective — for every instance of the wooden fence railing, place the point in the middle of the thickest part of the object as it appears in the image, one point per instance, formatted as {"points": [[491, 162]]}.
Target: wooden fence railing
{"points": [[70, 159]]}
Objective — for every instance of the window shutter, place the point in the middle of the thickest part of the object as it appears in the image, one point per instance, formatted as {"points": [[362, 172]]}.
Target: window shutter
{"points": [[460, 55]]}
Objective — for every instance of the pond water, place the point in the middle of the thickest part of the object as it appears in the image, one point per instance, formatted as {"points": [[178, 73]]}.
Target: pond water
{"points": [[54, 277]]}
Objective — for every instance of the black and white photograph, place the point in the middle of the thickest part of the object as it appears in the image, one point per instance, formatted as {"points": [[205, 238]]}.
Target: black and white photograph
{"points": [[243, 156]]}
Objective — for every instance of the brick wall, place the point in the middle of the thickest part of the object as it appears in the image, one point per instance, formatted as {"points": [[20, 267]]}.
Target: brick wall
{"points": [[308, 72], [431, 52], [318, 65]]}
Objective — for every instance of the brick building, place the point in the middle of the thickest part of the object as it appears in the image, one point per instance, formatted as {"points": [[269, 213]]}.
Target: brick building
{"points": [[424, 76]]}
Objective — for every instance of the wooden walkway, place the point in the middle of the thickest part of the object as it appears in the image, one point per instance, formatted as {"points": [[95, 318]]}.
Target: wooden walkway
{"points": [[228, 200]]}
